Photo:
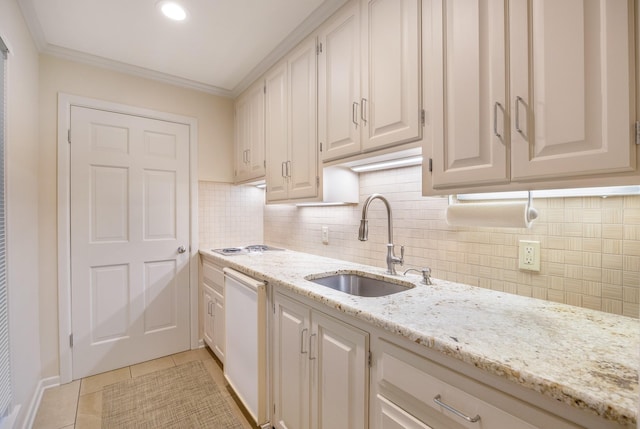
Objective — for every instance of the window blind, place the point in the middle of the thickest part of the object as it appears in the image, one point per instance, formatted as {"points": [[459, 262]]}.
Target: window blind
{"points": [[5, 371]]}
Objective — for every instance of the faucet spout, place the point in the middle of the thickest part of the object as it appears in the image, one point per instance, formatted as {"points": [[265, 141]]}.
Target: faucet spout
{"points": [[363, 233]]}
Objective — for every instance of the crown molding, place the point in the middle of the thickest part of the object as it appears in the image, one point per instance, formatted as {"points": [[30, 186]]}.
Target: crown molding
{"points": [[311, 23], [308, 26]]}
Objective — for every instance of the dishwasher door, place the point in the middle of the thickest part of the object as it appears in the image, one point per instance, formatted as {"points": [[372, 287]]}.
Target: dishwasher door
{"points": [[245, 365]]}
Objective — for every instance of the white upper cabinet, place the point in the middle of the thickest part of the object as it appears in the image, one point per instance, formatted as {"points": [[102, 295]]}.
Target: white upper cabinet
{"points": [[526, 95], [572, 87], [339, 85], [465, 84], [291, 134], [390, 107], [250, 137], [370, 78]]}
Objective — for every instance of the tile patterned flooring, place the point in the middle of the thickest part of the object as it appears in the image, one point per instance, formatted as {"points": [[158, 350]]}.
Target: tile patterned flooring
{"points": [[78, 405]]}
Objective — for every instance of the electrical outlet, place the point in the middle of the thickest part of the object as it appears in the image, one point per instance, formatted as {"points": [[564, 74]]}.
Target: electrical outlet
{"points": [[325, 235], [529, 255]]}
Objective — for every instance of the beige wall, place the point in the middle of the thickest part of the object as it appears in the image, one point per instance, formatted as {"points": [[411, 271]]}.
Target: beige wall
{"points": [[215, 143], [22, 204], [590, 247]]}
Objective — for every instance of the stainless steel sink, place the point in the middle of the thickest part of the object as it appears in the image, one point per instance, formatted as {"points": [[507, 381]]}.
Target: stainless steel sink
{"points": [[359, 285]]}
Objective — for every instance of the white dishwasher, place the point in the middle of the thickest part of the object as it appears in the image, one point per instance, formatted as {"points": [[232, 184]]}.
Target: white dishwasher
{"points": [[245, 366]]}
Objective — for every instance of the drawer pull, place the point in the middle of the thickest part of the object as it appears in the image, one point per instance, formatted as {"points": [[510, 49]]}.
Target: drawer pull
{"points": [[454, 411]]}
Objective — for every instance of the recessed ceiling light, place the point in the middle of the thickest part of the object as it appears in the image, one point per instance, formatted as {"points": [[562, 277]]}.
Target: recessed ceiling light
{"points": [[173, 10]]}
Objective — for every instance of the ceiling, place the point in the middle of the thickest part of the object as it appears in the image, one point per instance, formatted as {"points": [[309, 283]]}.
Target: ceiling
{"points": [[220, 48]]}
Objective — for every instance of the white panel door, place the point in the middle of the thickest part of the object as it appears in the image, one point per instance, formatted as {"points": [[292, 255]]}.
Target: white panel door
{"points": [[277, 141], [303, 105], [339, 86], [466, 102], [129, 216], [572, 87], [291, 364], [391, 104], [339, 385]]}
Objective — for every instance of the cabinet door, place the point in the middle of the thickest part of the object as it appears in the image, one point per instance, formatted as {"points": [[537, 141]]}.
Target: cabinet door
{"points": [[340, 374], [466, 90], [390, 105], [218, 325], [276, 133], [250, 137], [303, 103], [207, 311], [339, 85], [291, 364], [572, 87]]}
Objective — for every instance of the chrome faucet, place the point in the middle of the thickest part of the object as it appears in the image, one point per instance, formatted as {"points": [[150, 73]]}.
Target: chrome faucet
{"points": [[363, 233]]}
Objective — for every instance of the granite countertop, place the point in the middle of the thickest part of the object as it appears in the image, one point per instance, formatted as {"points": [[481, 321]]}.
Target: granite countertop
{"points": [[585, 358]]}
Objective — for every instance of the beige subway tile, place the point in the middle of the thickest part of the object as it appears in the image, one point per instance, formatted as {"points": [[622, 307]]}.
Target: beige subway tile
{"points": [[555, 229], [592, 302], [631, 263], [612, 292], [511, 288], [555, 256], [612, 231], [592, 215], [591, 259], [572, 285], [631, 279], [539, 292], [631, 232], [592, 274], [613, 202], [631, 309], [613, 247], [555, 295], [612, 216], [556, 243], [524, 290], [573, 299], [592, 245], [591, 230], [573, 203], [556, 283], [612, 306], [612, 261], [631, 216], [553, 215], [573, 229], [632, 202], [631, 294], [613, 277], [592, 288], [631, 248], [573, 257], [541, 281]]}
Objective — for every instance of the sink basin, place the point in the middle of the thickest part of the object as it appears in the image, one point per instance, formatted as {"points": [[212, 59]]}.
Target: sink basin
{"points": [[359, 285]]}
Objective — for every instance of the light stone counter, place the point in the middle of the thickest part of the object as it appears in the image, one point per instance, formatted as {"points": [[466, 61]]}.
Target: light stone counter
{"points": [[584, 358]]}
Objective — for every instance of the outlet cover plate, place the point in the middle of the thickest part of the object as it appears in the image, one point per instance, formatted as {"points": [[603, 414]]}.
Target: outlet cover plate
{"points": [[529, 255]]}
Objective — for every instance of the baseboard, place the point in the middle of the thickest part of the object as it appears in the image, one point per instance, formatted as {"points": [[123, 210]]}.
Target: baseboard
{"points": [[44, 384]]}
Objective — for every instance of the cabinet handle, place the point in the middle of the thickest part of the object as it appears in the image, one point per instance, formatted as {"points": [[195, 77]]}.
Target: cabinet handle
{"points": [[496, 105], [288, 168], [302, 351], [454, 411], [363, 114], [209, 311], [282, 169], [518, 101], [310, 342], [354, 114], [248, 156]]}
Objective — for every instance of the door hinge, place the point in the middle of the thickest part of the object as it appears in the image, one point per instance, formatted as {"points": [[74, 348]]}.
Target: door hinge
{"points": [[422, 117], [70, 340], [320, 146], [69, 135], [318, 48], [431, 165], [638, 132], [369, 359]]}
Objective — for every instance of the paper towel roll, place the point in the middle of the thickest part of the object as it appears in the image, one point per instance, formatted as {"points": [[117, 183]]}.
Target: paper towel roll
{"points": [[497, 215]]}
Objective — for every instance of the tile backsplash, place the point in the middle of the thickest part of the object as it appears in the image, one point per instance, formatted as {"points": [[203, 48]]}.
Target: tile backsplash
{"points": [[229, 215], [590, 246]]}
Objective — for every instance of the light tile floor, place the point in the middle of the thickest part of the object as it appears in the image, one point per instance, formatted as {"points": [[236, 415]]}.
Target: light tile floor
{"points": [[78, 405]]}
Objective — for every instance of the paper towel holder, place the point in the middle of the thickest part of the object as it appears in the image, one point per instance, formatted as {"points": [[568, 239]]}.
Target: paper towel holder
{"points": [[531, 212]]}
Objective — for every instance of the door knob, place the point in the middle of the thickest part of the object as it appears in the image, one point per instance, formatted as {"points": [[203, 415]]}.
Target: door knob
{"points": [[182, 249]]}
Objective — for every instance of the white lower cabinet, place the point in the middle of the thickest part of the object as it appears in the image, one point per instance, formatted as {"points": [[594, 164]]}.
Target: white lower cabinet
{"points": [[412, 391], [320, 369], [213, 307]]}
